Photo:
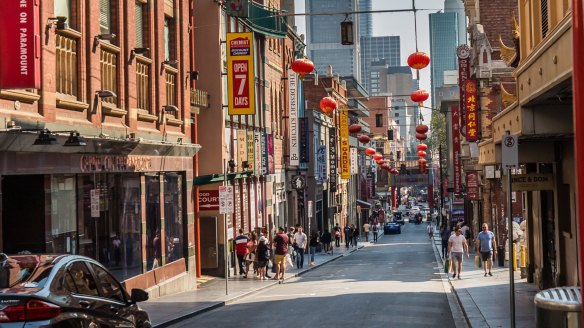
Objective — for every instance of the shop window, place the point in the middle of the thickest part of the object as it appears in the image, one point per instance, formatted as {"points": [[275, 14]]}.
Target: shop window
{"points": [[153, 242], [61, 233], [173, 217], [378, 120]]}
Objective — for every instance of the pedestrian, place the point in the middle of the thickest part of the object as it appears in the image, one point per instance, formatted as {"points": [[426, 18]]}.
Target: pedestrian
{"points": [[430, 230], [241, 250], [300, 242], [263, 257], [355, 235], [348, 235], [280, 246], [487, 246], [291, 246], [375, 230], [337, 233], [250, 256], [457, 246], [444, 235], [312, 244], [366, 227], [326, 239]]}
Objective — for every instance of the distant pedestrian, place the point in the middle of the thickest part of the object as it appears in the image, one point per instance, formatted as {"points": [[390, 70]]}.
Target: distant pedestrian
{"points": [[337, 235], [300, 240], [291, 246], [430, 230], [487, 246], [366, 227], [280, 246], [241, 250], [444, 235], [312, 244], [326, 239], [348, 235], [263, 257], [355, 235], [251, 253], [375, 231], [457, 246]]}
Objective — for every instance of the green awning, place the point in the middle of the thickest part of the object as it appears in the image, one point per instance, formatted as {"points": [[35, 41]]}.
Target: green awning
{"points": [[217, 178], [266, 21]]}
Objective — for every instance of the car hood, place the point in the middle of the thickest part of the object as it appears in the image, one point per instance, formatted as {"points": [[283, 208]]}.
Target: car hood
{"points": [[18, 291]]}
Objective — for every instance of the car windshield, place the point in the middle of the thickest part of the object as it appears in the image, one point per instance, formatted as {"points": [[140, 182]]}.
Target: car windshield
{"points": [[27, 271]]}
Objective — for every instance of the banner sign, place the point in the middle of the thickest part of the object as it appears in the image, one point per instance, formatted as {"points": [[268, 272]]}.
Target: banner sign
{"points": [[240, 74], [271, 163], [257, 143], [402, 180], [209, 200], [333, 160], [321, 164], [463, 53], [455, 113], [20, 44], [241, 148], [344, 134], [293, 118], [470, 94], [531, 182], [250, 151], [354, 161], [264, 153], [304, 145], [472, 185]]}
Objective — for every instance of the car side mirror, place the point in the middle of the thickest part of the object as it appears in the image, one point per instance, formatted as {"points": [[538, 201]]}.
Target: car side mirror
{"points": [[138, 295]]}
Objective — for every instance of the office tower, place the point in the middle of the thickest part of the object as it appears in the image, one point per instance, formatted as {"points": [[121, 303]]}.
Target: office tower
{"points": [[377, 49]]}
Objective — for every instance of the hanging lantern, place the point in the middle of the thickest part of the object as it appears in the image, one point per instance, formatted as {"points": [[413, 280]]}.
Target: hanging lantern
{"points": [[354, 128], [370, 151], [302, 66], [347, 37], [422, 165], [421, 136], [377, 157], [418, 60], [363, 138], [328, 105], [385, 167], [422, 146], [421, 153], [420, 96], [422, 128], [394, 171], [380, 161]]}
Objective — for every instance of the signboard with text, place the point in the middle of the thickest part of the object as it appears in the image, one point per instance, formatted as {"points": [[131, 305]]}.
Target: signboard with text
{"points": [[472, 185], [240, 74], [293, 118], [456, 152], [463, 53], [472, 127], [209, 200], [333, 159], [225, 199], [344, 151]]}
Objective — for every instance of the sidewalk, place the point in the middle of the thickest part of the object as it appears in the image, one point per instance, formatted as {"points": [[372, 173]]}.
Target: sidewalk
{"points": [[167, 310], [485, 300]]}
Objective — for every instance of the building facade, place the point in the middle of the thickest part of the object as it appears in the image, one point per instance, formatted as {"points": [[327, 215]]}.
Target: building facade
{"points": [[373, 50]]}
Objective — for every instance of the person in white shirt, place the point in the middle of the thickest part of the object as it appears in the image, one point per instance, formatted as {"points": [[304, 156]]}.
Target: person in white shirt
{"points": [[457, 245], [300, 246]]}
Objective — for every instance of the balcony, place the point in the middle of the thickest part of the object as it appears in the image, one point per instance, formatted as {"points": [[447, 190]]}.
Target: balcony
{"points": [[266, 20], [199, 98]]}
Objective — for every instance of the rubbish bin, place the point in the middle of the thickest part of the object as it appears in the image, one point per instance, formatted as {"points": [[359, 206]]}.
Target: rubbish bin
{"points": [[558, 307], [501, 255]]}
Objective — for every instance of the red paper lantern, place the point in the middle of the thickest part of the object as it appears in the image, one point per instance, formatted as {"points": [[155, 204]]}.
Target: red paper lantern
{"points": [[370, 151], [422, 128], [354, 128], [377, 157], [421, 136], [394, 171], [422, 165], [302, 66], [328, 105], [380, 161], [363, 138], [422, 146], [385, 167], [418, 60], [420, 96], [421, 153]]}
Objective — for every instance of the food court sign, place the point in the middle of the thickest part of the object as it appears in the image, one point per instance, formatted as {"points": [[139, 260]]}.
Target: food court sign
{"points": [[240, 74]]}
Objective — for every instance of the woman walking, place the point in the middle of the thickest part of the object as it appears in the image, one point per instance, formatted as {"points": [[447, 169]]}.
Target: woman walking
{"points": [[312, 245]]}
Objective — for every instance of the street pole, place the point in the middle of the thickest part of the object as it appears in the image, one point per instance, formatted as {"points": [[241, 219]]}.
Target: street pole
{"points": [[441, 184], [225, 232], [511, 257]]}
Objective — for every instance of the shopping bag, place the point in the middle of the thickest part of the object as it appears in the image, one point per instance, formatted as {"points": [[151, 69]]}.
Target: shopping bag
{"points": [[477, 261], [446, 265]]}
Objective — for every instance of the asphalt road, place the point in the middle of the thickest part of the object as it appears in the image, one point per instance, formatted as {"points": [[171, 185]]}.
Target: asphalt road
{"points": [[392, 284]]}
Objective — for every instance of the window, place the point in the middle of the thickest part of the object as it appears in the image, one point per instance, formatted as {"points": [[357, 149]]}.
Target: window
{"points": [[83, 279], [544, 18], [153, 248], [169, 38], [143, 85], [105, 16], [108, 286], [66, 65], [61, 229], [109, 73], [63, 9], [173, 217], [378, 120], [140, 26], [396, 114], [170, 88]]}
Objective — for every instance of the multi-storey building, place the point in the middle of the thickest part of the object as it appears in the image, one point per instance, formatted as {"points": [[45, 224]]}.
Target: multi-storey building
{"points": [[373, 50]]}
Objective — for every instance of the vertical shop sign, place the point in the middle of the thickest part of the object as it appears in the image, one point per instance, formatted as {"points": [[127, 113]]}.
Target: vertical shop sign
{"points": [[252, 206], [304, 156], [258, 153], [321, 164], [472, 185], [293, 118], [20, 44], [94, 202], [250, 151], [344, 134], [354, 161], [333, 160], [271, 157], [240, 74], [241, 148], [472, 131], [238, 205], [455, 113], [264, 153], [463, 53]]}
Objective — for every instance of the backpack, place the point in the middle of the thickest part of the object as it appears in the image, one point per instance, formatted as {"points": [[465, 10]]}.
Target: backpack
{"points": [[337, 234]]}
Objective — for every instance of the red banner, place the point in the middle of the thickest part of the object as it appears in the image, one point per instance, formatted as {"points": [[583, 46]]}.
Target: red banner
{"points": [[463, 53], [20, 44], [470, 95], [472, 186], [454, 111]]}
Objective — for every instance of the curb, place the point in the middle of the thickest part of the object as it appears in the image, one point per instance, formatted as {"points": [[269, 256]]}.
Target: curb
{"points": [[219, 304]]}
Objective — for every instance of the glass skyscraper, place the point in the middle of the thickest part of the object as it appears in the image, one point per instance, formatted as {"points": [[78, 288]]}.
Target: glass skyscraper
{"points": [[373, 50]]}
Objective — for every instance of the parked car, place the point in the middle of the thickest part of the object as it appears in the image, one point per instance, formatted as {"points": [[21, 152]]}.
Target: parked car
{"points": [[398, 218], [66, 291], [391, 228]]}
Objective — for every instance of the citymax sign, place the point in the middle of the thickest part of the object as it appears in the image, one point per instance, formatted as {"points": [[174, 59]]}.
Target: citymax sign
{"points": [[107, 163], [20, 44]]}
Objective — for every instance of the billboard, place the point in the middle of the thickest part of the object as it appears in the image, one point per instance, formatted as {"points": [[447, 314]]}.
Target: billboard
{"points": [[240, 74]]}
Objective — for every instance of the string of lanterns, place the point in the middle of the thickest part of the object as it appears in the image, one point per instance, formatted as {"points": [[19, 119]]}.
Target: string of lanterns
{"points": [[420, 60]]}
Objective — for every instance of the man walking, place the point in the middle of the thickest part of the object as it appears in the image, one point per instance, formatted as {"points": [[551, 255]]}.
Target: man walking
{"points": [[430, 230], [280, 251], [457, 246], [445, 235], [337, 234], [487, 246], [366, 227], [241, 250], [348, 235], [374, 228], [300, 242]]}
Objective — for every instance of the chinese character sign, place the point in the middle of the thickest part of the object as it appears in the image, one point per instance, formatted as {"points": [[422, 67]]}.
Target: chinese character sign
{"points": [[333, 159], [344, 133], [240, 74], [454, 111], [321, 164], [463, 53], [470, 95]]}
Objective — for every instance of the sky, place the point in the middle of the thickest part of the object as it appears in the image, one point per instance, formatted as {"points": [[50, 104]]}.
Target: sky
{"points": [[402, 24]]}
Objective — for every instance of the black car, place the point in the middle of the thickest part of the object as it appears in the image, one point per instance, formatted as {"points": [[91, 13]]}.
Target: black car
{"points": [[65, 291]]}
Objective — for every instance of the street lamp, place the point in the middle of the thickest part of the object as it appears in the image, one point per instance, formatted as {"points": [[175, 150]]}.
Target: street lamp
{"points": [[101, 94]]}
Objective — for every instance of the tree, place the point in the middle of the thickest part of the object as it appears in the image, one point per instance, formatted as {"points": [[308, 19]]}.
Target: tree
{"points": [[438, 136]]}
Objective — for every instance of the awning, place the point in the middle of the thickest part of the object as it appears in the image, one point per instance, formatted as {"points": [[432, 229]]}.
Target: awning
{"points": [[364, 205], [216, 178]]}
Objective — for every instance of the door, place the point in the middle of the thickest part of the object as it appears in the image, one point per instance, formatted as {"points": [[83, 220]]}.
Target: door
{"points": [[209, 243]]}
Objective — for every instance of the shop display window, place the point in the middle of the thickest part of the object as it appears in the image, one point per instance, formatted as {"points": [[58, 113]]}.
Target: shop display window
{"points": [[61, 225], [153, 233], [173, 217]]}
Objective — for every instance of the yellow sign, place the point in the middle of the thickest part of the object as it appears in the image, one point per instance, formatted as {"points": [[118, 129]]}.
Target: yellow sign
{"points": [[344, 133], [240, 74], [531, 182]]}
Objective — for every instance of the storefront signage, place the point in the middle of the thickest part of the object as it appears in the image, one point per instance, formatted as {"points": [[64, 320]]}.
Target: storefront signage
{"points": [[209, 200], [304, 156], [238, 206], [240, 74], [271, 156], [20, 44], [344, 134], [531, 182], [264, 153], [472, 186], [354, 161], [463, 53], [402, 180], [252, 206], [293, 118], [455, 114], [472, 128], [94, 202], [250, 151], [258, 153], [225, 199], [113, 163], [321, 164], [241, 148], [333, 159]]}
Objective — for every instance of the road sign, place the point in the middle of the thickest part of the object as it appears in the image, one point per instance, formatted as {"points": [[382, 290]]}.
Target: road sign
{"points": [[225, 199], [509, 152]]}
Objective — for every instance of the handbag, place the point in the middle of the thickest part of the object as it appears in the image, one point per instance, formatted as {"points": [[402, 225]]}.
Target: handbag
{"points": [[446, 265], [250, 257]]}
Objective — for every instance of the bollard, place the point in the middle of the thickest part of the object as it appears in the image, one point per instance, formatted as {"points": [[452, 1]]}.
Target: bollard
{"points": [[514, 258], [523, 256]]}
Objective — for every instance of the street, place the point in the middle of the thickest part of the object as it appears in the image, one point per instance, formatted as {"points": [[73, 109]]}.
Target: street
{"points": [[395, 283]]}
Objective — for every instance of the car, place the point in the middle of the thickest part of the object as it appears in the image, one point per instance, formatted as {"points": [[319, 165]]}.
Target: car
{"points": [[391, 228], [397, 218], [65, 291]]}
